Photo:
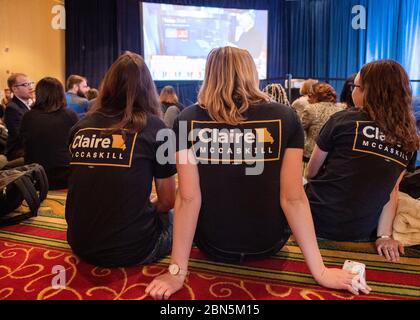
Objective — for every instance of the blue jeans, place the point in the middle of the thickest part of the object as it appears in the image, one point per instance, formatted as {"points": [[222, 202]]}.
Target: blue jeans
{"points": [[164, 243]]}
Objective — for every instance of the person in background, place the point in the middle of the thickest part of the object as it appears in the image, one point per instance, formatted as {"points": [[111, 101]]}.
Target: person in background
{"points": [[276, 92], [346, 93], [170, 105], [4, 100], [300, 104], [2, 107], [235, 215], [416, 109], [322, 104], [7, 96], [23, 93], [111, 220], [45, 132], [360, 158], [3, 138], [92, 94], [77, 89]]}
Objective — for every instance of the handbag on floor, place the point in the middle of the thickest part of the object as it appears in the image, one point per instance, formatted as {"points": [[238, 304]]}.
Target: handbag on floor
{"points": [[27, 183]]}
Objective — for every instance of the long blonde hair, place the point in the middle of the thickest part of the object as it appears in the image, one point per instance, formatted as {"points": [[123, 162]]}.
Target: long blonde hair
{"points": [[277, 93], [230, 85]]}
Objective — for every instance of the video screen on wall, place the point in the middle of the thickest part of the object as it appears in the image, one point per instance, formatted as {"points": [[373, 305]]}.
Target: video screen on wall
{"points": [[177, 39]]}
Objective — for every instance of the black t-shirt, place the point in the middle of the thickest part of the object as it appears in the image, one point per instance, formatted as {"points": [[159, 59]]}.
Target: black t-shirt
{"points": [[240, 210], [351, 189], [111, 221], [45, 137]]}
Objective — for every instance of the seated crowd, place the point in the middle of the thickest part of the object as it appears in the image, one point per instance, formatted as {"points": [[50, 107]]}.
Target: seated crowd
{"points": [[235, 205]]}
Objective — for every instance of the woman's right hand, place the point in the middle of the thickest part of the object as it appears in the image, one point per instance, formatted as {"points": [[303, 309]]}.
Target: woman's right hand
{"points": [[342, 280]]}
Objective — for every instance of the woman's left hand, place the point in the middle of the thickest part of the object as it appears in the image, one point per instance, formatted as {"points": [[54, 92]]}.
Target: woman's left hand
{"points": [[390, 248]]}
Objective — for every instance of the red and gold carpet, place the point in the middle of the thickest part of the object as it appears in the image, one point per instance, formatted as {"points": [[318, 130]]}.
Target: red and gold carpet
{"points": [[30, 251]]}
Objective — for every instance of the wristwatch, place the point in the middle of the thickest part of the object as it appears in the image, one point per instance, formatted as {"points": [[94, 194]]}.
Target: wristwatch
{"points": [[384, 237], [175, 270]]}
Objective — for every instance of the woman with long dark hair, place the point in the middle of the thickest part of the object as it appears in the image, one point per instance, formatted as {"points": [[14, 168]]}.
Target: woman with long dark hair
{"points": [[246, 188], [361, 156], [111, 220], [45, 132]]}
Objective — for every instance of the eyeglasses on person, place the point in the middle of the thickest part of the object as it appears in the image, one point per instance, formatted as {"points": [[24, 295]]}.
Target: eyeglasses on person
{"points": [[354, 86], [26, 84]]}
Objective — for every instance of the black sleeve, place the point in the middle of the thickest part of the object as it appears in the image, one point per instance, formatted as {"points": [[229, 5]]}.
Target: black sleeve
{"points": [[325, 139], [165, 164], [23, 126], [12, 120], [73, 131], [73, 116], [411, 167], [297, 136], [182, 130], [23, 131]]}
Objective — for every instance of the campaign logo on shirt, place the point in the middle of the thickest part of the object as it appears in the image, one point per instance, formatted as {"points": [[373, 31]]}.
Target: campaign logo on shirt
{"points": [[252, 141], [94, 147], [369, 139]]}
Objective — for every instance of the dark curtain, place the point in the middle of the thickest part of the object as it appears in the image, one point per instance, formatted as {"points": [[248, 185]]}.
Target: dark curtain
{"points": [[106, 28], [91, 38], [323, 44], [129, 26]]}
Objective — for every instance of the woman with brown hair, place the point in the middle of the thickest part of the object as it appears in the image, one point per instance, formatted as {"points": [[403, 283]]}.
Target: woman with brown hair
{"points": [[359, 158], [240, 182], [322, 105], [170, 105], [45, 131], [111, 221]]}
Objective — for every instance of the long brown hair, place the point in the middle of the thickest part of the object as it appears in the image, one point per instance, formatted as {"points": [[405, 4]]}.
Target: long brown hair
{"points": [[49, 93], [128, 89], [230, 85], [387, 99]]}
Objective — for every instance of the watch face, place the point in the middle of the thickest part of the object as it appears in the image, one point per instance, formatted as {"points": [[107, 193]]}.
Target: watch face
{"points": [[173, 269]]}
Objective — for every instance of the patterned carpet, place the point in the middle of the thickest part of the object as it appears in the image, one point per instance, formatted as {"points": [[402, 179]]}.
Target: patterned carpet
{"points": [[29, 252]]}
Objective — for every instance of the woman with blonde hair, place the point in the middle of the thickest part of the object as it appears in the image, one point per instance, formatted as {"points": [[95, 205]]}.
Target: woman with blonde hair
{"points": [[300, 104], [171, 107], [361, 156], [277, 93], [240, 181]]}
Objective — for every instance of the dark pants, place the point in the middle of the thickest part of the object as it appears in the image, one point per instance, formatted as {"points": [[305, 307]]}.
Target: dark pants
{"points": [[164, 244], [221, 255]]}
